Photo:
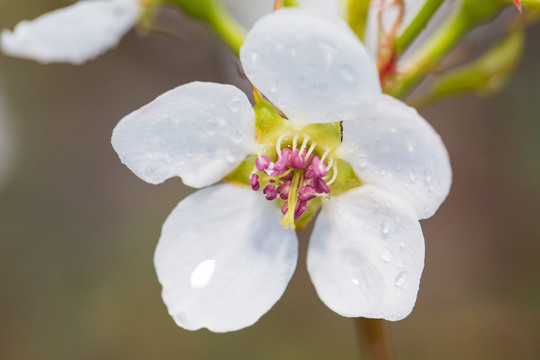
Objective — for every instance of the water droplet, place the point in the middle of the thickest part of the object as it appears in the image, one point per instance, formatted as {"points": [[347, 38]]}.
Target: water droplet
{"points": [[386, 255], [254, 55], [347, 73], [426, 209], [355, 281], [362, 162], [301, 81], [385, 227], [402, 245], [278, 45], [427, 173], [202, 274], [181, 319], [410, 148], [236, 136], [401, 279], [231, 158], [412, 175], [234, 105], [292, 52], [274, 84], [380, 172], [322, 86], [211, 127]]}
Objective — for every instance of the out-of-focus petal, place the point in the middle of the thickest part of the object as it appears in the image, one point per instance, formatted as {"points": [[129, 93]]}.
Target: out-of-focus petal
{"points": [[72, 34], [394, 148], [198, 131], [366, 255], [312, 67], [223, 258]]}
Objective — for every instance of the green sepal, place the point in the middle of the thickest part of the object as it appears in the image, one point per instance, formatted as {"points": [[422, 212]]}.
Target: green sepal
{"points": [[240, 175], [346, 179]]}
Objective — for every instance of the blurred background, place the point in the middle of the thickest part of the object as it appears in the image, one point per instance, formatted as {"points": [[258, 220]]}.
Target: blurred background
{"points": [[78, 229]]}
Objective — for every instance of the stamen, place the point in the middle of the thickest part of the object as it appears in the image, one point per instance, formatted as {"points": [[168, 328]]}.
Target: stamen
{"points": [[330, 163], [278, 143], [325, 154], [334, 176], [295, 141], [304, 143], [311, 148]]}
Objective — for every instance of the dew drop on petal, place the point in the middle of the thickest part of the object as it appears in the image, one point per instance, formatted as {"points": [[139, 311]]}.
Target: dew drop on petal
{"points": [[427, 173], [234, 105], [301, 81], [202, 274], [211, 128], [362, 162], [254, 54], [385, 227], [274, 84], [401, 279], [412, 175], [386, 255], [236, 136], [347, 73], [355, 281], [181, 319]]}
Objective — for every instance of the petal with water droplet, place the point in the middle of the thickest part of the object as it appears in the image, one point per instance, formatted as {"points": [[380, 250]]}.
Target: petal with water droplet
{"points": [[323, 70], [72, 34], [394, 148], [223, 258], [365, 257], [192, 131]]}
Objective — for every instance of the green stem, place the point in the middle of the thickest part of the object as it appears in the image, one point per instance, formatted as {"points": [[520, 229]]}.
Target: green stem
{"points": [[230, 31], [376, 345], [216, 15], [357, 13], [417, 25]]}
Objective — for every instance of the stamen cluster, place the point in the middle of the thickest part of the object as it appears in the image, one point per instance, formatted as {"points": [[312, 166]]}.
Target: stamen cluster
{"points": [[296, 176]]}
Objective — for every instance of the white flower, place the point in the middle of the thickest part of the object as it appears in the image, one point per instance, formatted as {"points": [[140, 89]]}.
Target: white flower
{"points": [[73, 34], [223, 258]]}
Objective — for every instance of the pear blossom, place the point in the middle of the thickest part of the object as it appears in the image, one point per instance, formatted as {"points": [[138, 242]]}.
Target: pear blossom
{"points": [[328, 139], [73, 34]]}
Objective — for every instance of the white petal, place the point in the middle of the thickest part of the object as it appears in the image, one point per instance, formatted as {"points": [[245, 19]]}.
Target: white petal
{"points": [[223, 258], [72, 34], [310, 66], [396, 149], [366, 255], [198, 131]]}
